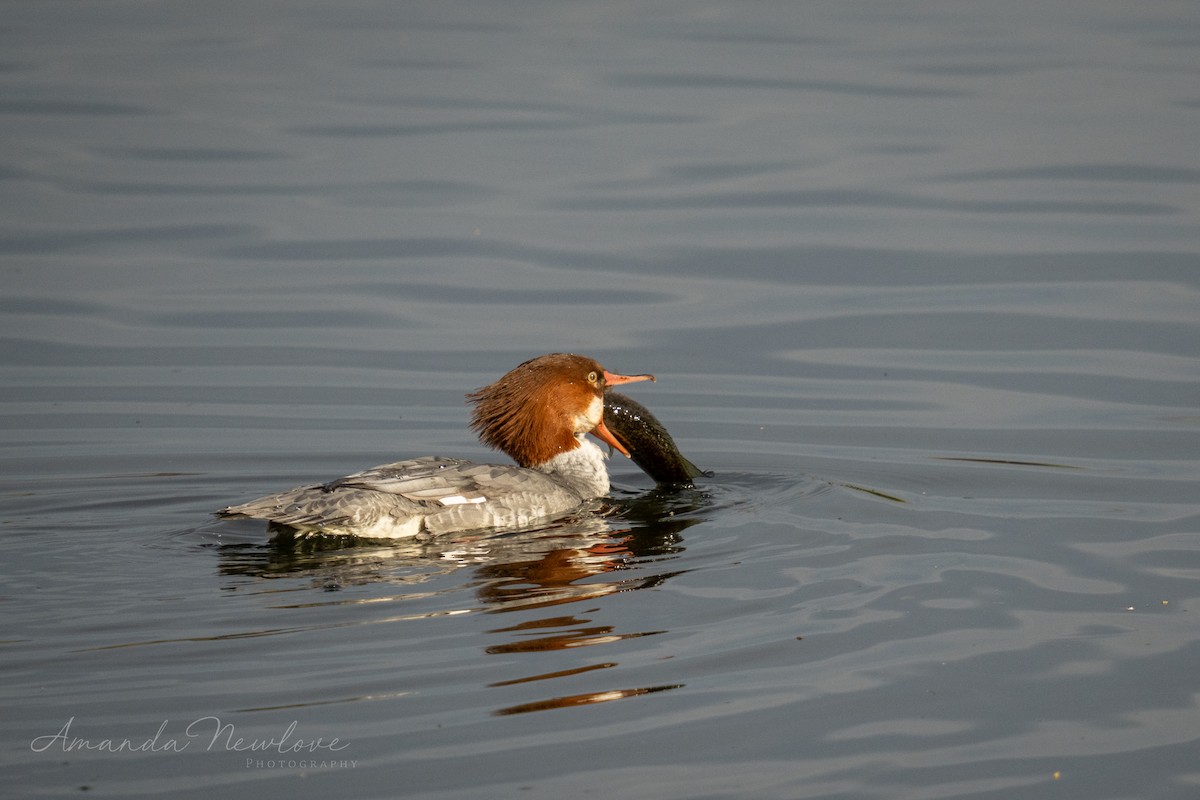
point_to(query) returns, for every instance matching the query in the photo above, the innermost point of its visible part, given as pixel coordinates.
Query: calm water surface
(921, 284)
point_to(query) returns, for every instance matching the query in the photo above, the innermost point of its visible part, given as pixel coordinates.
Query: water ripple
(739, 83)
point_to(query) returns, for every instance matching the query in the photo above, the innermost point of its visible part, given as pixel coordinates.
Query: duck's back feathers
(423, 495)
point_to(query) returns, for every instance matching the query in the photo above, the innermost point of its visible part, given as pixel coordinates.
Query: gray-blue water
(921, 284)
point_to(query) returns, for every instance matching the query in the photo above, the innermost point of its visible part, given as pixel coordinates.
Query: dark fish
(648, 443)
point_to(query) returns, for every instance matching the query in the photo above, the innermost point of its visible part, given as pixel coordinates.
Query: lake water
(921, 285)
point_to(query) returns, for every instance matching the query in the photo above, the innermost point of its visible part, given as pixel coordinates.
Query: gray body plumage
(435, 495)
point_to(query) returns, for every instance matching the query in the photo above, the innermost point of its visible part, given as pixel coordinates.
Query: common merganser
(538, 414)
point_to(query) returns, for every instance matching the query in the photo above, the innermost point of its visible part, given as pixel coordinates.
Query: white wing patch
(458, 500)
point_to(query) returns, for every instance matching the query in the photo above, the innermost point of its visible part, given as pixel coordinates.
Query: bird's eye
(592, 376)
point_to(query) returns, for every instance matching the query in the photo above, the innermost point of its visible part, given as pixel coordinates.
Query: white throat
(581, 469)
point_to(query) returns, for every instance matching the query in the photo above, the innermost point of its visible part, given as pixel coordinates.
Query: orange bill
(605, 435)
(612, 379)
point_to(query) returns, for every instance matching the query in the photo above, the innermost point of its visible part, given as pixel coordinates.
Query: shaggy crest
(535, 411)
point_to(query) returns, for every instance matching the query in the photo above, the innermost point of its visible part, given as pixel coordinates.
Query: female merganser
(539, 414)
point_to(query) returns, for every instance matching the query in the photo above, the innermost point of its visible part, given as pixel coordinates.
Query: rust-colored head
(534, 412)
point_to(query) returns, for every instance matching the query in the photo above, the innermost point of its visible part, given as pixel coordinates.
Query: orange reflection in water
(553, 578)
(587, 699)
(562, 673)
(579, 637)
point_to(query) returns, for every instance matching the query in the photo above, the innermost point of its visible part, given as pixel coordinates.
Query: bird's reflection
(612, 548)
(533, 568)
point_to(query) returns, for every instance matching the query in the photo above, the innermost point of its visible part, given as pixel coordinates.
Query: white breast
(582, 469)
